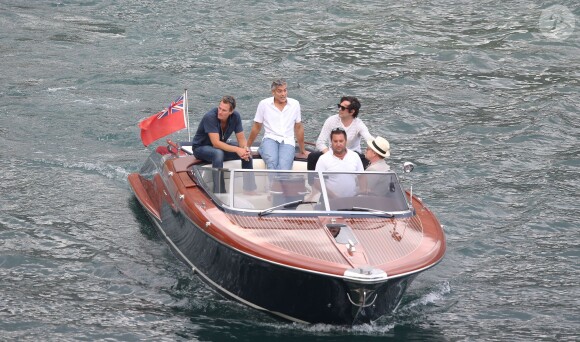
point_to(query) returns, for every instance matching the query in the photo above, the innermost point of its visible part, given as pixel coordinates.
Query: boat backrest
(260, 165)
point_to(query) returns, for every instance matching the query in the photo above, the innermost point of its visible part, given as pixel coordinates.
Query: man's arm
(299, 133)
(323, 136)
(364, 132)
(217, 143)
(256, 128)
(241, 137)
(363, 184)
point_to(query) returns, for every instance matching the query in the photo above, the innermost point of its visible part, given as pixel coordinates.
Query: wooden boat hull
(289, 290)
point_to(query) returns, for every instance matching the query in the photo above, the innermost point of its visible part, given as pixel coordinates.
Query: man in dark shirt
(210, 140)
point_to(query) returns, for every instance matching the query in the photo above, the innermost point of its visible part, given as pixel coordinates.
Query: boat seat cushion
(242, 201)
(184, 163)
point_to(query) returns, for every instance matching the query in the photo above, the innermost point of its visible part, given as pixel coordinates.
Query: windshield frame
(225, 201)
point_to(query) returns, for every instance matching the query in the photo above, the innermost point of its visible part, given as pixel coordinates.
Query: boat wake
(428, 298)
(406, 316)
(113, 172)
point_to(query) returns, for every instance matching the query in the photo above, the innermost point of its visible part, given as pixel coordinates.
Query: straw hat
(381, 146)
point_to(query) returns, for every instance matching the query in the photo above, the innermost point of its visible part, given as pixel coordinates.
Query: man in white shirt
(339, 158)
(355, 128)
(281, 118)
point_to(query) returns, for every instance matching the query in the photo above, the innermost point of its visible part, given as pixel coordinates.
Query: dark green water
(483, 97)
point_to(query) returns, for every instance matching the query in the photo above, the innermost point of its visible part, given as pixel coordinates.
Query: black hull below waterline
(290, 293)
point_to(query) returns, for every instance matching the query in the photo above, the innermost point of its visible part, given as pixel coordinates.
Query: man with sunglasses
(340, 158)
(281, 118)
(210, 142)
(347, 119)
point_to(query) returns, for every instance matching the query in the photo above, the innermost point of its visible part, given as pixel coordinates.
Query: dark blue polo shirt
(211, 124)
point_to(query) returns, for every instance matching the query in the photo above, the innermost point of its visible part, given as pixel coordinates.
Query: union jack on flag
(167, 121)
(175, 107)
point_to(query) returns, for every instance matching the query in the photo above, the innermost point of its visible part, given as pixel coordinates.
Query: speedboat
(311, 247)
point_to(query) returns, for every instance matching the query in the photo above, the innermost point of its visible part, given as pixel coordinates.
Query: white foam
(431, 297)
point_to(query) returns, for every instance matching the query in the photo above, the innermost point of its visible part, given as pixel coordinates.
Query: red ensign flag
(164, 123)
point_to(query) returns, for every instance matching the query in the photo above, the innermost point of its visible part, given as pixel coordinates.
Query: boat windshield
(268, 192)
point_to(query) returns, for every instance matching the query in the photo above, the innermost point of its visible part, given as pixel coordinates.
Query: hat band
(378, 148)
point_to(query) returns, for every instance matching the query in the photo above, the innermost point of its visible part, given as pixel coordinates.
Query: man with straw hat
(377, 150)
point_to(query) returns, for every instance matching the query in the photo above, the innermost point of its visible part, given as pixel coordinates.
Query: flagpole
(187, 116)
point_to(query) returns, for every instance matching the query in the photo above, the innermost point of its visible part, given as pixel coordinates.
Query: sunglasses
(338, 129)
(342, 107)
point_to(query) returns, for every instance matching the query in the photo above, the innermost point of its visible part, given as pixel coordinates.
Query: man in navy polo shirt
(210, 141)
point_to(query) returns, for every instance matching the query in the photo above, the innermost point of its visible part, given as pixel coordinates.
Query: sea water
(482, 97)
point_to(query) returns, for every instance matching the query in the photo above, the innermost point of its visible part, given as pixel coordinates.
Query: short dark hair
(229, 100)
(338, 130)
(354, 104)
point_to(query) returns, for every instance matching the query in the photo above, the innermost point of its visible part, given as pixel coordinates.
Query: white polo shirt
(279, 125)
(342, 185)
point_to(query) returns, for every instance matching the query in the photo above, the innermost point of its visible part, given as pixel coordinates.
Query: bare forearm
(253, 133)
(241, 137)
(300, 137)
